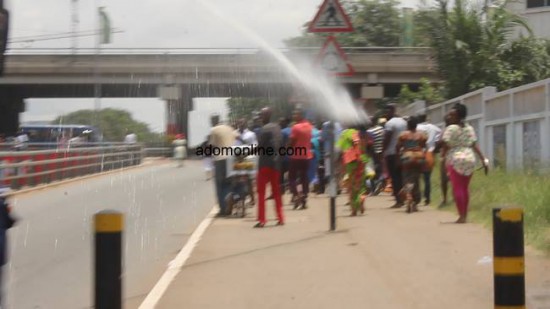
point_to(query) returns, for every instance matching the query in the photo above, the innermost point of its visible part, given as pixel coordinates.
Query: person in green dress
(354, 160)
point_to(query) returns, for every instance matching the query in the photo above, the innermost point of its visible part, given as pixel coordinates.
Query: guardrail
(30, 168)
(159, 152)
(200, 51)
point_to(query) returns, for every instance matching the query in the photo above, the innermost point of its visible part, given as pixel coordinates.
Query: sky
(162, 24)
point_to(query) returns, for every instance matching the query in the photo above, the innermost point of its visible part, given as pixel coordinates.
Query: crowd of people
(388, 151)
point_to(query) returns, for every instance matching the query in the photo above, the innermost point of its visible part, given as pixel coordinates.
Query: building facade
(536, 13)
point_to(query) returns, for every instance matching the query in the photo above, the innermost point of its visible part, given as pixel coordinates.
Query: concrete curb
(67, 181)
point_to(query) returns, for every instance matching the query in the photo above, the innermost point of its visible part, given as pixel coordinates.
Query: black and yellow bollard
(508, 260)
(108, 260)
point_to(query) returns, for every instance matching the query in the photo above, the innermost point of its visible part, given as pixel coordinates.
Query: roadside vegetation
(528, 190)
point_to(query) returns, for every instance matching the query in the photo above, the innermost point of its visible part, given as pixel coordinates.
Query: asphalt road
(51, 249)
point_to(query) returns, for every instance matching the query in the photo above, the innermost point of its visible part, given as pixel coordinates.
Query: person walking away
(246, 137)
(460, 149)
(393, 128)
(354, 160)
(411, 148)
(376, 148)
(444, 179)
(314, 162)
(222, 137)
(434, 134)
(285, 132)
(300, 144)
(269, 167)
(179, 149)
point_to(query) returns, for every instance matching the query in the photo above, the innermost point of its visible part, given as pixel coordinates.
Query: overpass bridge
(191, 73)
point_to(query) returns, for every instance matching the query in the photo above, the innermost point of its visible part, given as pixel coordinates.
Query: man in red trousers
(269, 166)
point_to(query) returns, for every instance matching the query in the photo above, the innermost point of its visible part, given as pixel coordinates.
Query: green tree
(530, 57)
(376, 23)
(427, 92)
(469, 45)
(114, 124)
(245, 107)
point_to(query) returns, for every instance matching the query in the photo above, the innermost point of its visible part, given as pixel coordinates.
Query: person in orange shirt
(300, 154)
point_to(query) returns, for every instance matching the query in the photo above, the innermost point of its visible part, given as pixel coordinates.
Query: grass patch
(523, 189)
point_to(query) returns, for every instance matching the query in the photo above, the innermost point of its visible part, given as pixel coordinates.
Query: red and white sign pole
(331, 17)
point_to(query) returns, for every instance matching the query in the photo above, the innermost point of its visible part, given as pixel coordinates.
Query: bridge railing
(20, 169)
(202, 51)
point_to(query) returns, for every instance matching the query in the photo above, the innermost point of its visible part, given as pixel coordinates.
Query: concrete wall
(513, 126)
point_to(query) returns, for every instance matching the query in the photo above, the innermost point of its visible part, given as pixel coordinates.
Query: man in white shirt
(221, 137)
(245, 136)
(130, 138)
(393, 128)
(434, 135)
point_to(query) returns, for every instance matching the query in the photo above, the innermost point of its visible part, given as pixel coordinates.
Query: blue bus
(56, 134)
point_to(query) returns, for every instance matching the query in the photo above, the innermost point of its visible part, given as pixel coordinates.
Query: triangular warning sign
(331, 18)
(333, 59)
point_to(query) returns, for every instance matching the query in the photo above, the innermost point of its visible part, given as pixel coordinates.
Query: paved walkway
(384, 259)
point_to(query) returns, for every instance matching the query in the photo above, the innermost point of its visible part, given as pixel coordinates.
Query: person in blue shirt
(314, 162)
(285, 131)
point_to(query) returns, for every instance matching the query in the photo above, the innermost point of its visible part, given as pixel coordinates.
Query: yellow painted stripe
(108, 222)
(510, 307)
(510, 214)
(509, 265)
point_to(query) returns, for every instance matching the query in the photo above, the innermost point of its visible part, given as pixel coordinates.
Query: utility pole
(97, 82)
(74, 25)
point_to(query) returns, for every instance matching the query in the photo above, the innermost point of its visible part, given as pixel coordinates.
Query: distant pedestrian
(300, 144)
(269, 166)
(434, 134)
(207, 159)
(460, 149)
(21, 141)
(180, 151)
(130, 138)
(393, 128)
(246, 137)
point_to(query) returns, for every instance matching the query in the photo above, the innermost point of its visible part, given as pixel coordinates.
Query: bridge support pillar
(178, 105)
(10, 107)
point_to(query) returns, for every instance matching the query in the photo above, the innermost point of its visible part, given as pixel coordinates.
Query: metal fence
(30, 168)
(513, 126)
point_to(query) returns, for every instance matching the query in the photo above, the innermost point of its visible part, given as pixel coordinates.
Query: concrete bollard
(508, 259)
(108, 260)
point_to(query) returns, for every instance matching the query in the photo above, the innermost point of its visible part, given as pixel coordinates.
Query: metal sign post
(332, 180)
(331, 17)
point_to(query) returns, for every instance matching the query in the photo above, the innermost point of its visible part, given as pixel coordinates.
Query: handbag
(412, 159)
(430, 161)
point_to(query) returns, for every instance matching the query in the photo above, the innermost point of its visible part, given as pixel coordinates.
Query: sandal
(259, 225)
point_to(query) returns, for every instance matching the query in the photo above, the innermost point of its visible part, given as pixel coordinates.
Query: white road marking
(174, 267)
